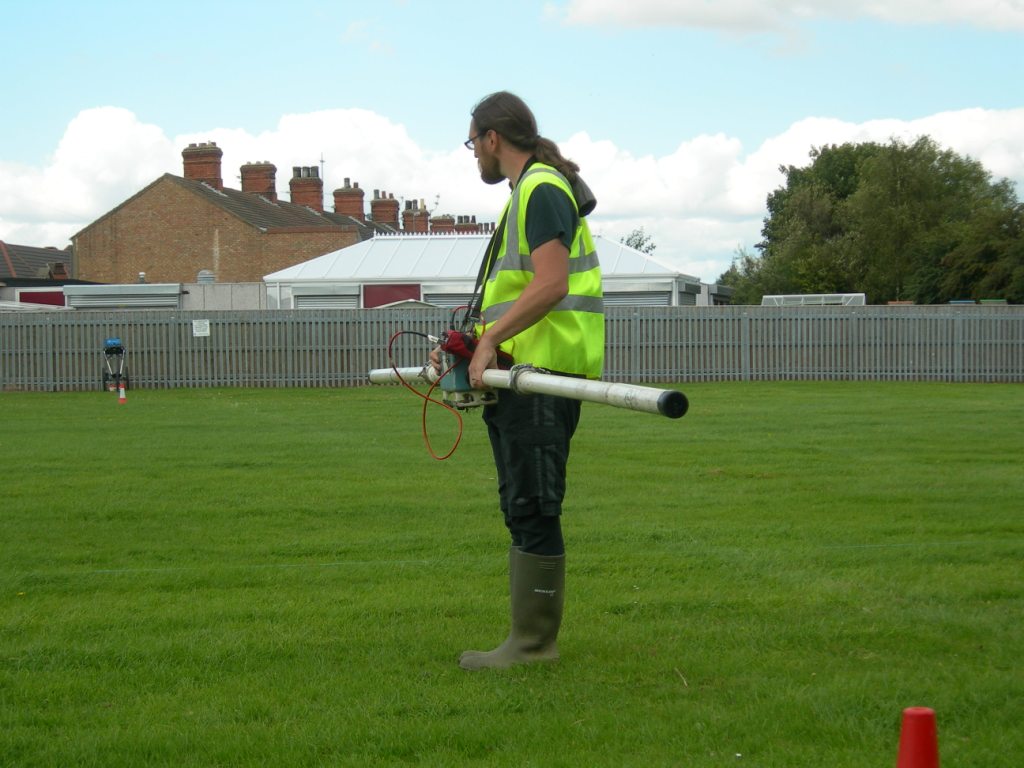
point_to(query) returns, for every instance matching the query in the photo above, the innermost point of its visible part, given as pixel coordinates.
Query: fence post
(49, 356)
(958, 346)
(745, 352)
(634, 353)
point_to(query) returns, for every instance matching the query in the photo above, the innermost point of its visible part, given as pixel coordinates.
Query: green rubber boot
(536, 586)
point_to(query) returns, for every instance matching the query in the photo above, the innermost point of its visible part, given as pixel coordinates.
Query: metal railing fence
(63, 351)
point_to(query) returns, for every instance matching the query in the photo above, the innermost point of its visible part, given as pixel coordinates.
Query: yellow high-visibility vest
(570, 338)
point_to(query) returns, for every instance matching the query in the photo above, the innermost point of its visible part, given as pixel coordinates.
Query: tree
(808, 246)
(745, 277)
(639, 240)
(896, 221)
(987, 260)
(921, 210)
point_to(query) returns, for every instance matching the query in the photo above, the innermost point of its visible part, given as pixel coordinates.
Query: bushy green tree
(896, 221)
(746, 278)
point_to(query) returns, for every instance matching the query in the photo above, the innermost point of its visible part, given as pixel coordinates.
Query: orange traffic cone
(120, 395)
(919, 743)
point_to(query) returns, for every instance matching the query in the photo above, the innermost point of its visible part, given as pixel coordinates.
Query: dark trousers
(530, 437)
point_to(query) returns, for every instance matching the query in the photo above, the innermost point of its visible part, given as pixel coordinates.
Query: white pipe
(667, 402)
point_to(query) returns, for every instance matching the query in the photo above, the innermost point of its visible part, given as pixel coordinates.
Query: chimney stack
(384, 208)
(260, 179)
(407, 215)
(443, 224)
(307, 187)
(202, 163)
(415, 217)
(466, 225)
(348, 201)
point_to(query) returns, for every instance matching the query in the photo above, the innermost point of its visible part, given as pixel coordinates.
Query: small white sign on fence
(200, 327)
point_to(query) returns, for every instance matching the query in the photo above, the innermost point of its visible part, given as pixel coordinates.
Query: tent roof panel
(441, 257)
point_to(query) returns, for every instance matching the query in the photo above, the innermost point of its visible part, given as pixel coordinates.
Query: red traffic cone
(919, 743)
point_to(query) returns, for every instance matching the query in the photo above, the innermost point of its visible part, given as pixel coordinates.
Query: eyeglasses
(468, 143)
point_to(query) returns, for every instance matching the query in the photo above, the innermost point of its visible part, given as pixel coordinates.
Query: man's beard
(490, 172)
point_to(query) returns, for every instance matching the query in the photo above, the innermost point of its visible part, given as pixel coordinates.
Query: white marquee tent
(441, 270)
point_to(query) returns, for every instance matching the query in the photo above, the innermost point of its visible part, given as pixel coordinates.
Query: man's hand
(485, 356)
(435, 360)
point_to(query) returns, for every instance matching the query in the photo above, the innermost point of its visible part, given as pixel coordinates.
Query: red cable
(426, 400)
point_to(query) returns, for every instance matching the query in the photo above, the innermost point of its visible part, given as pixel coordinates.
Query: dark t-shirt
(550, 214)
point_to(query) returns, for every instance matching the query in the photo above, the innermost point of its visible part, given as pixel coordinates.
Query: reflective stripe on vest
(570, 338)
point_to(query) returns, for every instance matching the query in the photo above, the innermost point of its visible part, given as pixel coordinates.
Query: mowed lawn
(286, 578)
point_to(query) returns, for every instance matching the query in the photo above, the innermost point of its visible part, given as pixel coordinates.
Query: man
(541, 303)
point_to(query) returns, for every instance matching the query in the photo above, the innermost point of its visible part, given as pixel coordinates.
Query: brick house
(184, 229)
(26, 263)
(32, 275)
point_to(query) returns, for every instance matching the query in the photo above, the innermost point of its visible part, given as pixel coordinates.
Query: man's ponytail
(547, 152)
(508, 115)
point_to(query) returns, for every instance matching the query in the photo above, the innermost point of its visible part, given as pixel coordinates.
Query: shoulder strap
(472, 315)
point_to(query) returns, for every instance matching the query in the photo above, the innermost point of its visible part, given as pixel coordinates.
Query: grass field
(286, 578)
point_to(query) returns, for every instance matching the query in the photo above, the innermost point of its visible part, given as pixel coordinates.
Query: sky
(679, 112)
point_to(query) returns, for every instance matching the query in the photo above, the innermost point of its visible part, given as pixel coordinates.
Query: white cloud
(992, 14)
(698, 203)
(706, 199)
(769, 15)
(103, 152)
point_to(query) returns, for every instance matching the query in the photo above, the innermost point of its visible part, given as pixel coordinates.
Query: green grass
(284, 577)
